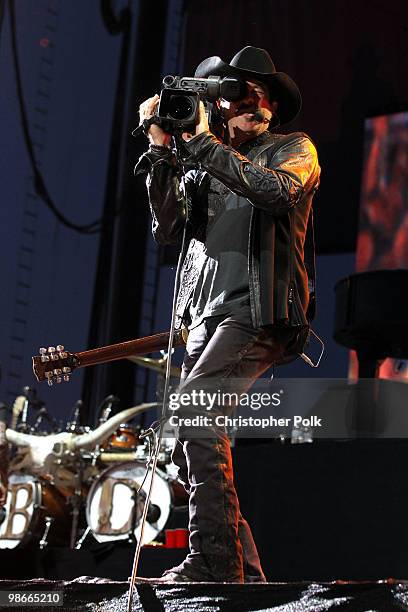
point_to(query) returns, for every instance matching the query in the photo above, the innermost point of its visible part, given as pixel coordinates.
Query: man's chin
(245, 124)
(242, 134)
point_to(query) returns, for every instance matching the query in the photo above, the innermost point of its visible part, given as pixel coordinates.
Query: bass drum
(35, 513)
(115, 505)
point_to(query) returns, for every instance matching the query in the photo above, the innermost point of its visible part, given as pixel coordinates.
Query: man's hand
(156, 135)
(202, 125)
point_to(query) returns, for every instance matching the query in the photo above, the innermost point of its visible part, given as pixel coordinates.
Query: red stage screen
(383, 228)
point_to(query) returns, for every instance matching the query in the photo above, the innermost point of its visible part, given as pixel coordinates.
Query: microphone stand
(44, 414)
(72, 424)
(178, 144)
(106, 408)
(104, 412)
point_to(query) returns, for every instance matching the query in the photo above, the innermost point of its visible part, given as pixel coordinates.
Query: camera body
(178, 109)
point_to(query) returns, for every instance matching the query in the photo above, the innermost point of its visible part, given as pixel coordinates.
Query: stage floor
(102, 595)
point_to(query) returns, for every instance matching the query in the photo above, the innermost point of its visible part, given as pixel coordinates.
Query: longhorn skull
(42, 449)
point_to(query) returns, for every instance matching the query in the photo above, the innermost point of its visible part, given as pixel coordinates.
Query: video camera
(178, 109)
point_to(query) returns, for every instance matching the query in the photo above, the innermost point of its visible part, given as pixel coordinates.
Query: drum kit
(100, 493)
(78, 490)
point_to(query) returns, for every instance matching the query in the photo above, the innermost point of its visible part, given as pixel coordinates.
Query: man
(244, 283)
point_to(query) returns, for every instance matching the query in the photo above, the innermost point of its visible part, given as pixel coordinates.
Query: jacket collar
(260, 140)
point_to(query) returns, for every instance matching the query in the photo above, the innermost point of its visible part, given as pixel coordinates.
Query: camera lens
(180, 107)
(169, 80)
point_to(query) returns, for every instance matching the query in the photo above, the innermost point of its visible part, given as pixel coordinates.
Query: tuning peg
(66, 370)
(48, 376)
(53, 354)
(61, 351)
(43, 353)
(57, 372)
(58, 379)
(66, 377)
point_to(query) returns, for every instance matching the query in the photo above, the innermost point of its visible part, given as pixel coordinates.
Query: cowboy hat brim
(280, 86)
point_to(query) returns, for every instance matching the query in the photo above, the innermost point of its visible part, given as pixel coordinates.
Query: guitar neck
(114, 352)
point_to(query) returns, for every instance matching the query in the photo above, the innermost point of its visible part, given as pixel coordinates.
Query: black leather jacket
(278, 176)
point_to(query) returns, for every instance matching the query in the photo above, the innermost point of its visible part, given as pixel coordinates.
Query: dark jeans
(221, 544)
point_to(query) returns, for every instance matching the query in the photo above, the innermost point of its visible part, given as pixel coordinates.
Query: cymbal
(158, 365)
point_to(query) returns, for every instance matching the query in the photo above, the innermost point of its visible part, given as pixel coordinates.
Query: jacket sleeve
(167, 204)
(275, 188)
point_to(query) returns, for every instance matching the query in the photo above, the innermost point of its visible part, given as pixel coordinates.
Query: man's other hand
(202, 125)
(156, 135)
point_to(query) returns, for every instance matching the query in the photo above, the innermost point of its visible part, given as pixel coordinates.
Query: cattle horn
(93, 438)
(20, 439)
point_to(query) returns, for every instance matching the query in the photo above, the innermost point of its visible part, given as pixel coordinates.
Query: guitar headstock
(54, 364)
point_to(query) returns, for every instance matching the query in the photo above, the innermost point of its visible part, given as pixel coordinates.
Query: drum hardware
(25, 402)
(117, 457)
(82, 539)
(23, 425)
(165, 450)
(44, 414)
(103, 418)
(106, 408)
(72, 424)
(104, 411)
(76, 501)
(48, 522)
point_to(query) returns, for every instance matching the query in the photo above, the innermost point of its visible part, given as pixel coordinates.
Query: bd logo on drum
(34, 512)
(19, 511)
(115, 503)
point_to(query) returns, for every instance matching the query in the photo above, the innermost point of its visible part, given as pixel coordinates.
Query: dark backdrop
(350, 60)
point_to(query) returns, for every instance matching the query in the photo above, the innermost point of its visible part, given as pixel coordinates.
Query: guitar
(55, 364)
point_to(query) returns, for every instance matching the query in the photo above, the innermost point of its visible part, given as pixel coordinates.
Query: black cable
(163, 417)
(39, 183)
(115, 24)
(2, 10)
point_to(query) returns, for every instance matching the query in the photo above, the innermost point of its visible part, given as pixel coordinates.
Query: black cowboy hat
(254, 64)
